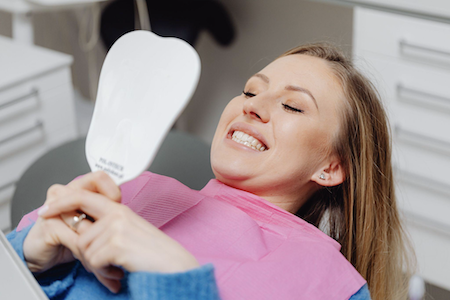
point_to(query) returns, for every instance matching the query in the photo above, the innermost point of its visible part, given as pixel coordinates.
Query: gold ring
(76, 221)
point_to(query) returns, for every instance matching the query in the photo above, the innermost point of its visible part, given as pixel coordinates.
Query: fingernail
(42, 210)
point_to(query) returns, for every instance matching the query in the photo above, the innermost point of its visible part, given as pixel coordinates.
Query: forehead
(299, 68)
(308, 72)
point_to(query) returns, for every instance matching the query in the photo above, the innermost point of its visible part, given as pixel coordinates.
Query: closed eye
(248, 94)
(290, 108)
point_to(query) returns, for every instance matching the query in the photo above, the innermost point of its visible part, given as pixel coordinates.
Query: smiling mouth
(248, 140)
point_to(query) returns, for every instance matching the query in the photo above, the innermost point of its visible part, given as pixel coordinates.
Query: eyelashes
(290, 108)
(248, 94)
(285, 106)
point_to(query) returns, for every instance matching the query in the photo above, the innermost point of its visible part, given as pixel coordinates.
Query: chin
(226, 174)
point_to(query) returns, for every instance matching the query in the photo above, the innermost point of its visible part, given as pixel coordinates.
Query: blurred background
(51, 53)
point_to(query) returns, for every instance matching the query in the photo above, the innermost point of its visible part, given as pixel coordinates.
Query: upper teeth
(247, 140)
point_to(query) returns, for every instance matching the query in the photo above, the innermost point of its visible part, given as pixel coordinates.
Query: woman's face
(274, 139)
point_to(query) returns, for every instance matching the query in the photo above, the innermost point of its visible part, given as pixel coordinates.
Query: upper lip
(250, 130)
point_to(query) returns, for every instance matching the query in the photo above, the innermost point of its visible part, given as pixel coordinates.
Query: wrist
(182, 265)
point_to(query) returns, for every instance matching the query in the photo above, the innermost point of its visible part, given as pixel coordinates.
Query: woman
(308, 136)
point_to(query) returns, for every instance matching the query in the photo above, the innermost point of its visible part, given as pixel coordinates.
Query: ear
(331, 174)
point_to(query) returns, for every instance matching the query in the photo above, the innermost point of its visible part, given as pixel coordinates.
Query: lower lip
(237, 145)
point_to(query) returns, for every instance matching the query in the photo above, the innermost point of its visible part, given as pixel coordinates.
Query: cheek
(230, 112)
(304, 140)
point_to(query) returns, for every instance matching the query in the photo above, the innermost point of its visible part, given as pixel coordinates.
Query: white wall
(265, 29)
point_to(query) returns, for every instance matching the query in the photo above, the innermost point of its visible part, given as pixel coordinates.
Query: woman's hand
(119, 237)
(51, 242)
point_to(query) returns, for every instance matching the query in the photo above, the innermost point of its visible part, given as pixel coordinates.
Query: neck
(292, 201)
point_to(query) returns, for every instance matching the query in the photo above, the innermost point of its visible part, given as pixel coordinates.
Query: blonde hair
(362, 211)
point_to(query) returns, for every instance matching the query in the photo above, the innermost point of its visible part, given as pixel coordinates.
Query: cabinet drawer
(432, 250)
(51, 111)
(421, 160)
(424, 200)
(37, 85)
(439, 8)
(402, 37)
(425, 206)
(417, 97)
(12, 166)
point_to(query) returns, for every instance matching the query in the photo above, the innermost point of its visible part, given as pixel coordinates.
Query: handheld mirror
(145, 83)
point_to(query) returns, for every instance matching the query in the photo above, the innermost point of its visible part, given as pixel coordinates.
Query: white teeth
(247, 140)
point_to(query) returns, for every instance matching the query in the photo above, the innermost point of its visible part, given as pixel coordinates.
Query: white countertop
(26, 61)
(430, 8)
(26, 6)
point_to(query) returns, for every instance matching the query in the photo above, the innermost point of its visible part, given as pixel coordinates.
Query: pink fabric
(259, 250)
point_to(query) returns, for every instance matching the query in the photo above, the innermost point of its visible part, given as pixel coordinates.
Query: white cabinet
(409, 60)
(36, 111)
(434, 8)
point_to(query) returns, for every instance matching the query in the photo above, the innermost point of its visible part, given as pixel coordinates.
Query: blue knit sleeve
(197, 284)
(362, 294)
(55, 281)
(16, 240)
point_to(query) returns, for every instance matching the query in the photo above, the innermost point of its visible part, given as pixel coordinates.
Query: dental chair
(181, 156)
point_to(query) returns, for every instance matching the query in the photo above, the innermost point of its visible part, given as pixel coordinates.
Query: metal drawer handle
(427, 98)
(34, 92)
(427, 184)
(39, 124)
(421, 140)
(433, 53)
(436, 226)
(423, 182)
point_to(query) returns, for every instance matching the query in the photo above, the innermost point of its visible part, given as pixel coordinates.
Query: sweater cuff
(197, 284)
(16, 240)
(54, 281)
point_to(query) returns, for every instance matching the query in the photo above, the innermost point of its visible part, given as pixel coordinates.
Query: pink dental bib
(259, 251)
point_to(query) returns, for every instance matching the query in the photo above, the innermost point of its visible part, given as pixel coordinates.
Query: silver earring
(322, 176)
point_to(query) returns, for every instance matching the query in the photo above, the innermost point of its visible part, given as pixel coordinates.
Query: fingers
(111, 272)
(98, 182)
(107, 274)
(49, 242)
(93, 204)
(69, 219)
(66, 237)
(113, 285)
(94, 237)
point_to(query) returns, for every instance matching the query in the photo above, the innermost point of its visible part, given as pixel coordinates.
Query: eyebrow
(289, 87)
(303, 90)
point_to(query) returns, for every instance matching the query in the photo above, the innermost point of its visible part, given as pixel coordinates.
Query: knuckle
(80, 194)
(117, 195)
(100, 176)
(54, 190)
(94, 261)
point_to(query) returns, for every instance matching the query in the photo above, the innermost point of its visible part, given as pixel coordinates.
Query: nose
(256, 108)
